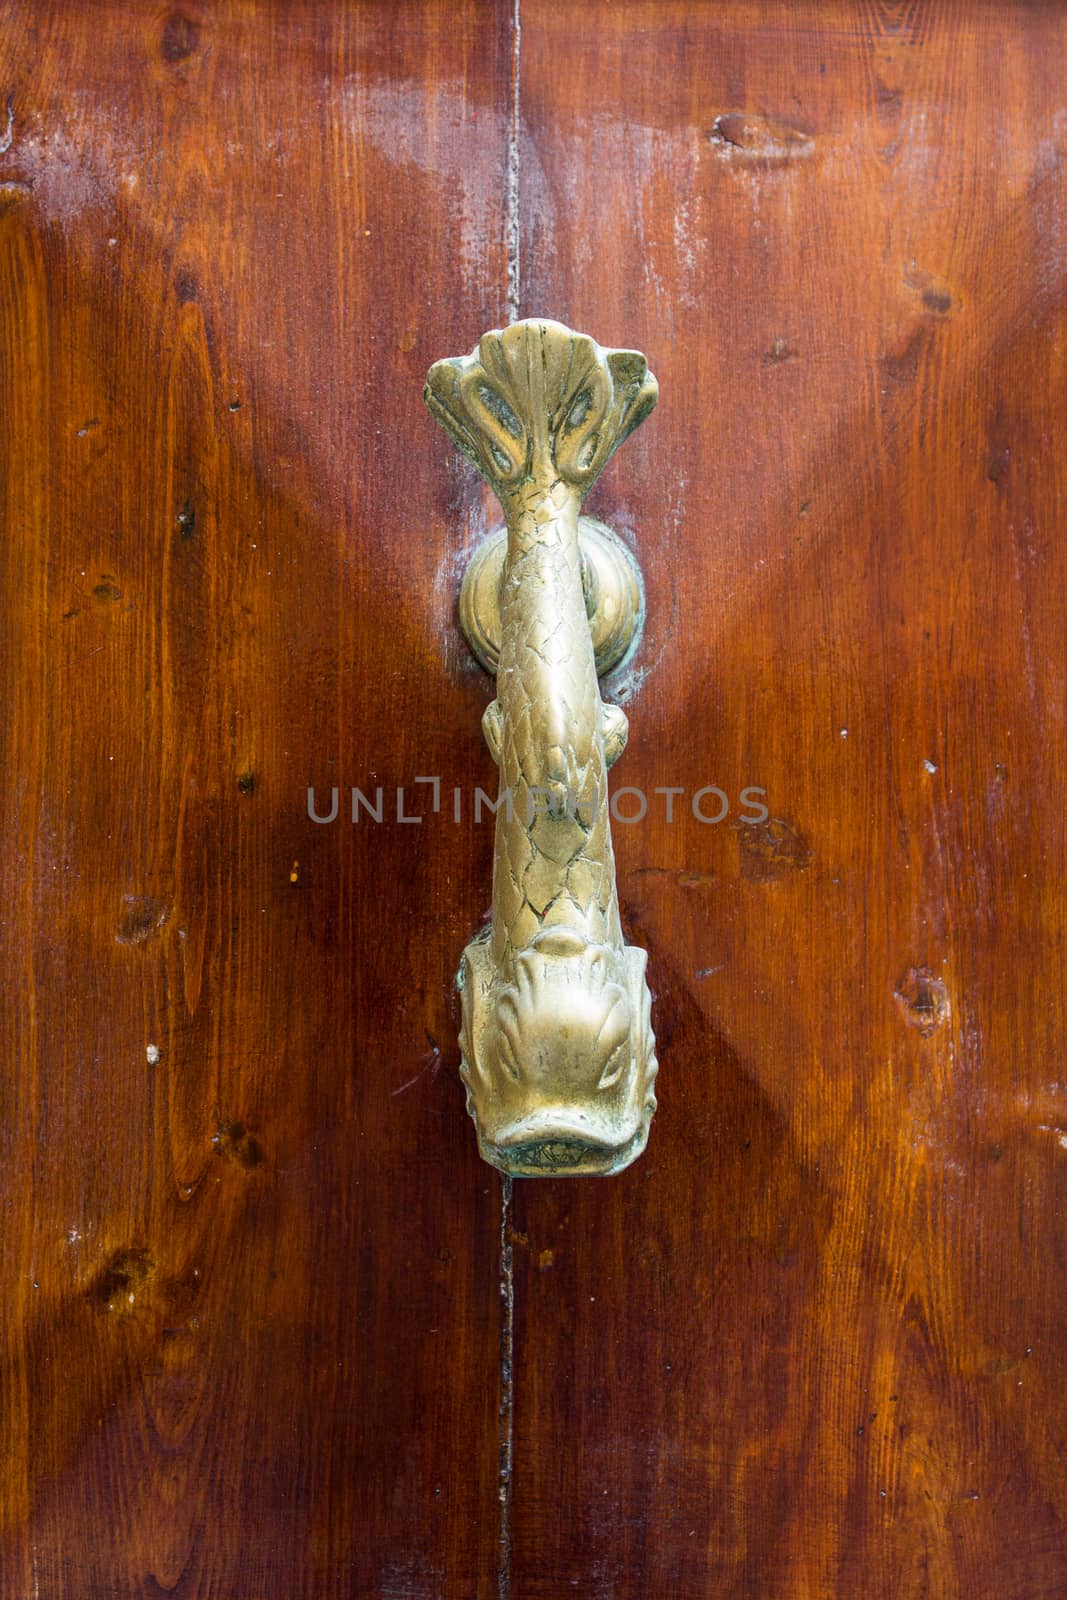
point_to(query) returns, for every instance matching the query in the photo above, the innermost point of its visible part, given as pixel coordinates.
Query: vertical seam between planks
(513, 237)
(507, 1346)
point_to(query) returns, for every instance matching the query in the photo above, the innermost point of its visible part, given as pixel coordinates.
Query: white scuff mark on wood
(417, 135)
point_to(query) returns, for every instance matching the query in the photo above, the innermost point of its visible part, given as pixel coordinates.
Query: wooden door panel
(808, 1345)
(250, 1253)
(270, 1330)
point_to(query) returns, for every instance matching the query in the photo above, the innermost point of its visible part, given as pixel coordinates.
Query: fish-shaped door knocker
(559, 1057)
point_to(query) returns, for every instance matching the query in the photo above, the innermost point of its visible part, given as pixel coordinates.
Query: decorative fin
(493, 728)
(615, 727)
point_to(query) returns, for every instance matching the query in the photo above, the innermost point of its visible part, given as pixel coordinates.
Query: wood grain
(811, 1345)
(251, 1320)
(254, 1343)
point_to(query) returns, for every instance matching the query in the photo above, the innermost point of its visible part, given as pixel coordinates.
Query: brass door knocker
(559, 1057)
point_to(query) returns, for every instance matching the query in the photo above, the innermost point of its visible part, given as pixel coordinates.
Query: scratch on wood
(429, 1062)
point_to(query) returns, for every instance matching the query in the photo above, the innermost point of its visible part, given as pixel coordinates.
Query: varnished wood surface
(809, 1347)
(251, 1324)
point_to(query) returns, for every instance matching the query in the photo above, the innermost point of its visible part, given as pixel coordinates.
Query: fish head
(558, 1055)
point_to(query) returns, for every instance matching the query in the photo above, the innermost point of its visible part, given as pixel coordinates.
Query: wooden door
(271, 1328)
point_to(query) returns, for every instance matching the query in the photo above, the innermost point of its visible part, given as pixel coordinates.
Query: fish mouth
(547, 1099)
(561, 1142)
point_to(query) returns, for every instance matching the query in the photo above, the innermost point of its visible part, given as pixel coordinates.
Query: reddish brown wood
(251, 1320)
(810, 1345)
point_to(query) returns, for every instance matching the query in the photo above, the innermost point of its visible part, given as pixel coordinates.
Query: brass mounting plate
(611, 581)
